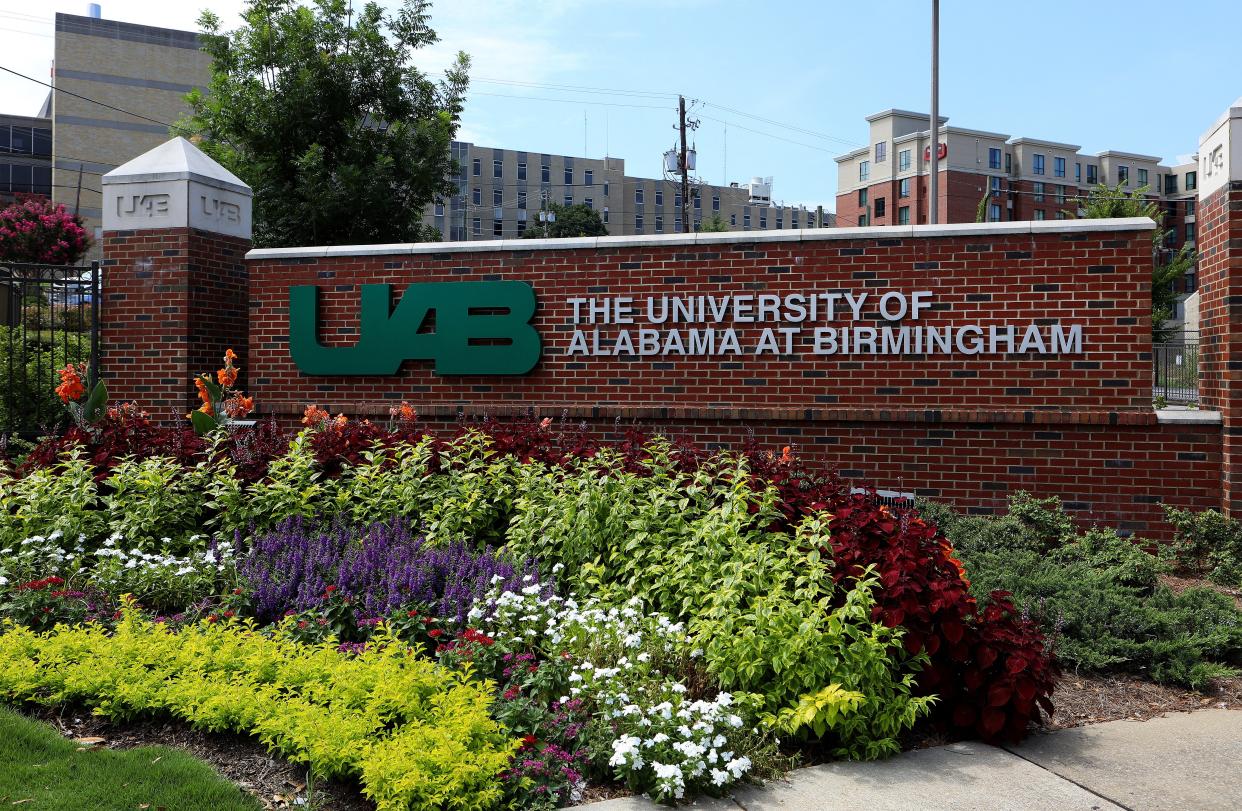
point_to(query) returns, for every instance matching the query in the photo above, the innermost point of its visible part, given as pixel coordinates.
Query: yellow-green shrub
(418, 736)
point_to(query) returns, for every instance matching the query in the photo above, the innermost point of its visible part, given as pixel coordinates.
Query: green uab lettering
(465, 341)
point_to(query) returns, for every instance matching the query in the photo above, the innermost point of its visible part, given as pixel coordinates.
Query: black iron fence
(49, 316)
(1175, 372)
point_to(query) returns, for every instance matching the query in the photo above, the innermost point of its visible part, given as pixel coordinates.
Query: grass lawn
(40, 769)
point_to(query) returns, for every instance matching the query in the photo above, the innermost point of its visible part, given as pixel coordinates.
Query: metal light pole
(934, 185)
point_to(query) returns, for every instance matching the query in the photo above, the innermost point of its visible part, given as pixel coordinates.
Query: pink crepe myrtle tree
(39, 231)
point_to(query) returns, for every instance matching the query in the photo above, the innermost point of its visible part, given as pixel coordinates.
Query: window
(521, 227)
(1037, 164)
(903, 160)
(677, 201)
(763, 219)
(780, 222)
(994, 158)
(498, 228)
(522, 200)
(793, 219)
(862, 197)
(638, 223)
(497, 197)
(698, 201)
(1039, 213)
(568, 200)
(605, 188)
(476, 167)
(903, 187)
(994, 213)
(1192, 181)
(864, 170)
(476, 225)
(746, 218)
(1142, 177)
(498, 168)
(1058, 167)
(1190, 208)
(1061, 215)
(659, 224)
(1170, 183)
(1077, 172)
(42, 144)
(439, 209)
(522, 171)
(545, 173)
(41, 182)
(1123, 175)
(569, 175)
(1009, 163)
(994, 184)
(903, 215)
(881, 152)
(588, 177)
(1037, 192)
(1093, 174)
(863, 220)
(638, 196)
(879, 207)
(733, 219)
(589, 203)
(476, 196)
(659, 197)
(605, 214)
(21, 178)
(1190, 232)
(715, 202)
(1060, 190)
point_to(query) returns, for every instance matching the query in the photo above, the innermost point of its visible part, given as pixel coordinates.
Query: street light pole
(934, 185)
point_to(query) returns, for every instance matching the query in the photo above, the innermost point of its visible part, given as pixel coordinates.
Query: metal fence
(1175, 372)
(49, 316)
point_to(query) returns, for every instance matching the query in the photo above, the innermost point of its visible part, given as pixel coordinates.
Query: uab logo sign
(467, 328)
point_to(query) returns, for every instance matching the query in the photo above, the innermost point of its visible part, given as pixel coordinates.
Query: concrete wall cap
(722, 238)
(176, 159)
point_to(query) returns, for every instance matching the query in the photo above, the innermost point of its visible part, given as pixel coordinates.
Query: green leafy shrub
(418, 736)
(154, 503)
(28, 377)
(61, 499)
(1208, 543)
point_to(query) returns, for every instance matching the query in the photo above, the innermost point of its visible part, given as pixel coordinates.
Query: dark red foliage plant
(124, 430)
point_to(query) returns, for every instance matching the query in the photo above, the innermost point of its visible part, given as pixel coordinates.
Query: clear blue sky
(1142, 77)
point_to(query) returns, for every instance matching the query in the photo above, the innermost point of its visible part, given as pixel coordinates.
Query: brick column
(175, 285)
(1219, 234)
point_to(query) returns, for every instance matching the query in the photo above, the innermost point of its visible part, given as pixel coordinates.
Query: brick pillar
(175, 285)
(1219, 235)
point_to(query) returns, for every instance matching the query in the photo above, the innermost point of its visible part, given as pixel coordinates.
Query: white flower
(739, 766)
(719, 778)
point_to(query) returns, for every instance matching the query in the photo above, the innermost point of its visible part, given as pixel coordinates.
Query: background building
(141, 69)
(501, 191)
(25, 157)
(1013, 179)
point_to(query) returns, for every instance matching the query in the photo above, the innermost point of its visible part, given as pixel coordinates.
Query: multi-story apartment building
(501, 191)
(25, 157)
(999, 176)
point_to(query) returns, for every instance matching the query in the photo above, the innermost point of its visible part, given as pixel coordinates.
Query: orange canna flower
(238, 407)
(226, 377)
(403, 413)
(545, 423)
(70, 387)
(314, 416)
(229, 356)
(786, 455)
(340, 422)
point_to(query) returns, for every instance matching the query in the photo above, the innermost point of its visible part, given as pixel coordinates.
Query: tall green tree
(1116, 201)
(320, 109)
(714, 224)
(571, 221)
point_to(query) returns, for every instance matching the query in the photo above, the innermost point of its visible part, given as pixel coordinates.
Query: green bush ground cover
(1098, 594)
(46, 772)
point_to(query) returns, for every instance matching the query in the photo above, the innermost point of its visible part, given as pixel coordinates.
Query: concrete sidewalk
(1177, 762)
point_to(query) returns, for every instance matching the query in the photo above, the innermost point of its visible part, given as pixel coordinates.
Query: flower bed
(640, 612)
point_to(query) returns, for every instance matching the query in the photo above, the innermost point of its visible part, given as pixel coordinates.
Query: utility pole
(684, 165)
(934, 185)
(77, 202)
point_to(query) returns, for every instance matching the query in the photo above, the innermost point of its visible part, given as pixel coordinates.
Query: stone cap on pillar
(176, 185)
(1220, 152)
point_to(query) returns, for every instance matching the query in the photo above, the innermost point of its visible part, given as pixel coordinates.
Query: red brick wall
(1096, 279)
(1219, 226)
(173, 300)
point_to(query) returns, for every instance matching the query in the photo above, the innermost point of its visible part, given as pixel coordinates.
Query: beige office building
(500, 193)
(138, 68)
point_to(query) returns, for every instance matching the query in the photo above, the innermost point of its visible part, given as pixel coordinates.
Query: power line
(86, 98)
(769, 135)
(572, 101)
